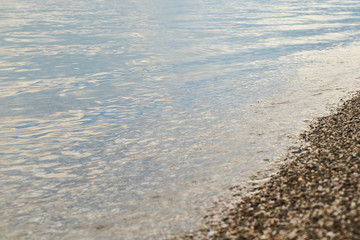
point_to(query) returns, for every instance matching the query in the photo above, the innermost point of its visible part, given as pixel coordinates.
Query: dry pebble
(316, 195)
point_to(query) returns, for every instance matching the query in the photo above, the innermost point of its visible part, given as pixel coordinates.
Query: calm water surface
(126, 119)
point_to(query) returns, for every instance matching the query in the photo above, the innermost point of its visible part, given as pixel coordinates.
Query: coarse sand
(316, 195)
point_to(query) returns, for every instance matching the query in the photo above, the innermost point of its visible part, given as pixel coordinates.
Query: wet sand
(314, 195)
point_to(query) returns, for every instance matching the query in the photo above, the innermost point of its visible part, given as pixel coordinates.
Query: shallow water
(126, 119)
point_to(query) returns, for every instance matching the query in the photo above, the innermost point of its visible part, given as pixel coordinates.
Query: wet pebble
(314, 196)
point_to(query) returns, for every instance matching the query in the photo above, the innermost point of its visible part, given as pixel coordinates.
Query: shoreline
(313, 195)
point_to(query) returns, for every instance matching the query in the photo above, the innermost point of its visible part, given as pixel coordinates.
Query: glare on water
(128, 118)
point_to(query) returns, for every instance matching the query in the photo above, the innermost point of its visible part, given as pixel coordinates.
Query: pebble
(315, 195)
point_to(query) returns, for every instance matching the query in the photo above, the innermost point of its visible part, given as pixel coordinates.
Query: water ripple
(131, 116)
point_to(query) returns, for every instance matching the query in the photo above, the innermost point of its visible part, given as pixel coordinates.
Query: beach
(136, 119)
(314, 195)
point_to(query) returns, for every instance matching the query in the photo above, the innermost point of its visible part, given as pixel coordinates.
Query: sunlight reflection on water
(134, 115)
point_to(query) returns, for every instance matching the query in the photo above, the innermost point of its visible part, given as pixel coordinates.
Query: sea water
(125, 119)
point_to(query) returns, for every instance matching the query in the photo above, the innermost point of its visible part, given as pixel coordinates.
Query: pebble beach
(178, 119)
(314, 195)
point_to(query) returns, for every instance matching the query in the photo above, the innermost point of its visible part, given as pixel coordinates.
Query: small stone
(212, 233)
(330, 234)
(313, 192)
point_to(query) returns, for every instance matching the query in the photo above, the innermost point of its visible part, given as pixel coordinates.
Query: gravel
(315, 195)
